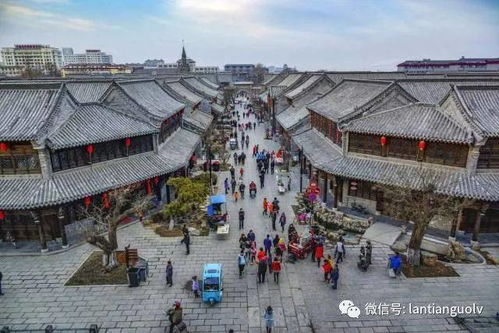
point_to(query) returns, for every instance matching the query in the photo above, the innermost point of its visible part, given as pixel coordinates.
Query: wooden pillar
(41, 234)
(62, 229)
(168, 196)
(456, 222)
(336, 192)
(324, 195)
(479, 217)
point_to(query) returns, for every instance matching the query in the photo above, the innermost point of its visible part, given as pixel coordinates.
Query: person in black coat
(187, 241)
(1, 275)
(262, 270)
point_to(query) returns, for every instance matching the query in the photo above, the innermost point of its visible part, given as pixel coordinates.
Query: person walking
(169, 273)
(242, 187)
(326, 268)
(276, 269)
(396, 264)
(282, 221)
(319, 253)
(174, 315)
(274, 219)
(339, 252)
(335, 275)
(272, 166)
(254, 150)
(241, 173)
(254, 126)
(270, 209)
(187, 242)
(195, 286)
(236, 196)
(233, 185)
(262, 179)
(241, 262)
(275, 241)
(267, 243)
(236, 158)
(262, 269)
(232, 170)
(268, 316)
(241, 218)
(226, 185)
(265, 206)
(253, 252)
(1, 276)
(251, 236)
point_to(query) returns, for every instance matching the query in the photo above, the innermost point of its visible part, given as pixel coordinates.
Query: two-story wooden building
(64, 145)
(366, 133)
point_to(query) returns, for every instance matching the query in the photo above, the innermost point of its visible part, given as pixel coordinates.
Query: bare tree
(260, 73)
(117, 205)
(420, 206)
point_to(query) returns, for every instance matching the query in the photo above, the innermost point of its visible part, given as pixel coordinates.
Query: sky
(307, 34)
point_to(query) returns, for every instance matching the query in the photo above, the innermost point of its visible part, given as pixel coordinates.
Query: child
(265, 206)
(195, 286)
(253, 251)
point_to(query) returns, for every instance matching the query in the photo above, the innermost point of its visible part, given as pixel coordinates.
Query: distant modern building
(152, 63)
(89, 57)
(94, 69)
(11, 70)
(36, 56)
(274, 69)
(206, 69)
(240, 68)
(462, 64)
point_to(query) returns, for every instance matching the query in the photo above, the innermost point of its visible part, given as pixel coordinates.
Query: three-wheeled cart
(211, 286)
(217, 211)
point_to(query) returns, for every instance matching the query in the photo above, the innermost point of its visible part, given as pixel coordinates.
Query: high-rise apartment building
(32, 55)
(89, 57)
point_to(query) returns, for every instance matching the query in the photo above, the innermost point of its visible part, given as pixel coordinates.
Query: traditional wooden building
(64, 145)
(361, 138)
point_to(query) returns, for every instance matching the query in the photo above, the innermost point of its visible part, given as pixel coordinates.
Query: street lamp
(209, 166)
(300, 150)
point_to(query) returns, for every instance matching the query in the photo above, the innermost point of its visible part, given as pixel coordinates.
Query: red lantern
(4, 147)
(128, 142)
(422, 145)
(2, 215)
(156, 180)
(90, 149)
(87, 201)
(148, 186)
(383, 140)
(105, 200)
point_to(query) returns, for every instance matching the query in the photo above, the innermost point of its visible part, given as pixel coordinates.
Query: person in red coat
(276, 269)
(327, 268)
(319, 253)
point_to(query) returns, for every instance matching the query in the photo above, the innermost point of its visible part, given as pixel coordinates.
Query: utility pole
(209, 165)
(301, 168)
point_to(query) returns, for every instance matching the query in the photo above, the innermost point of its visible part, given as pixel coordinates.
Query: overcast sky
(308, 34)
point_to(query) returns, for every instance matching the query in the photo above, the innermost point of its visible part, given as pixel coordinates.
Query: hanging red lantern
(87, 201)
(383, 140)
(156, 180)
(422, 145)
(2, 215)
(4, 147)
(128, 142)
(148, 186)
(90, 149)
(105, 200)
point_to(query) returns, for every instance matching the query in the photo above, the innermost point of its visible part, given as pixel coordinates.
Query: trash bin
(143, 269)
(216, 166)
(142, 274)
(133, 277)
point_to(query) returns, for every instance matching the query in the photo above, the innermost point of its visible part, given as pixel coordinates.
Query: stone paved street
(35, 294)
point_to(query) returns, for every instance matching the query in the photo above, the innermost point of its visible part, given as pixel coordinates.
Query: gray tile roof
(93, 123)
(304, 86)
(197, 86)
(178, 148)
(276, 91)
(25, 109)
(152, 98)
(200, 119)
(325, 156)
(67, 186)
(88, 91)
(290, 80)
(481, 105)
(292, 116)
(179, 88)
(414, 121)
(337, 77)
(217, 108)
(74, 184)
(269, 78)
(209, 83)
(433, 91)
(346, 96)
